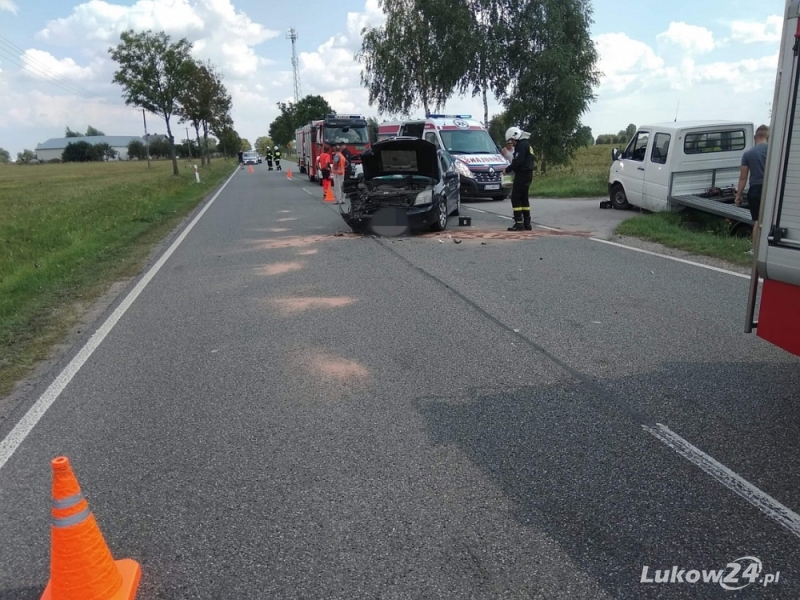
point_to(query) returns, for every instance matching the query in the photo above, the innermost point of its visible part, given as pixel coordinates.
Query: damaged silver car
(406, 184)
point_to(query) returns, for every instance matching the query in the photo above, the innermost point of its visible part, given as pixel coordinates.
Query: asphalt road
(286, 413)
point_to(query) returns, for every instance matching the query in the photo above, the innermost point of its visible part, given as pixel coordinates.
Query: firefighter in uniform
(277, 155)
(522, 166)
(269, 158)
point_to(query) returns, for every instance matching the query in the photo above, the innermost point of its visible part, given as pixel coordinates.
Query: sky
(697, 59)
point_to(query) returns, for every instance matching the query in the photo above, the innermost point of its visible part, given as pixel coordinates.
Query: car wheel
(618, 198)
(441, 216)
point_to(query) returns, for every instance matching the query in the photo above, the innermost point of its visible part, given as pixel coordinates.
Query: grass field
(586, 176)
(68, 231)
(691, 231)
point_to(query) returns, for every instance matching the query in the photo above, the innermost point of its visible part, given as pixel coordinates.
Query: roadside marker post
(196, 174)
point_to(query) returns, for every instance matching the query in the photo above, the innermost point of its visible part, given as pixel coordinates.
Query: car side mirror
(451, 175)
(615, 154)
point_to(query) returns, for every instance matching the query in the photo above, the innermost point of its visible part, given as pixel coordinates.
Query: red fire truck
(777, 252)
(352, 129)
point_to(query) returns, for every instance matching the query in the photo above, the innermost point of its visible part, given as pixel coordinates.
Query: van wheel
(618, 198)
(742, 230)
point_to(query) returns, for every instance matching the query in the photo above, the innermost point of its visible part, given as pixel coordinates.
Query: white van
(677, 159)
(475, 155)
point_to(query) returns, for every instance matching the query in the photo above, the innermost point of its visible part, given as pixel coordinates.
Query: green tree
(244, 145)
(160, 148)
(630, 131)
(71, 134)
(92, 132)
(550, 72)
(137, 149)
(153, 73)
(263, 143)
(5, 156)
(584, 136)
(204, 102)
(77, 152)
(26, 156)
(293, 116)
(478, 45)
(229, 142)
(409, 61)
(498, 125)
(282, 128)
(310, 108)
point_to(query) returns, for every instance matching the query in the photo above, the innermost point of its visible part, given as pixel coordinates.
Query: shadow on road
(613, 497)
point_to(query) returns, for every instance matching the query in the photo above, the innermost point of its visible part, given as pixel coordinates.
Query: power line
(38, 69)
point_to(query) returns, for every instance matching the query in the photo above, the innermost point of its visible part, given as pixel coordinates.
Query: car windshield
(355, 136)
(468, 141)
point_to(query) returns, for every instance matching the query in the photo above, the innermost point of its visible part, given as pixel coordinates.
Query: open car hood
(401, 156)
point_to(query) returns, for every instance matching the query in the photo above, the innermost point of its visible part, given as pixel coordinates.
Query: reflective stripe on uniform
(68, 502)
(71, 520)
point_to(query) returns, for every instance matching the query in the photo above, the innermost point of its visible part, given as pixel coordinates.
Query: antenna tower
(292, 35)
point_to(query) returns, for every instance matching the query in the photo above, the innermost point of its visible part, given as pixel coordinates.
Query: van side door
(633, 165)
(657, 174)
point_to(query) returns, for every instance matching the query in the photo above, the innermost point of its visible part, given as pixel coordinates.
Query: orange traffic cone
(288, 174)
(251, 169)
(81, 565)
(329, 194)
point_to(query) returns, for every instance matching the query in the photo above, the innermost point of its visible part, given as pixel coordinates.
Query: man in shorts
(753, 162)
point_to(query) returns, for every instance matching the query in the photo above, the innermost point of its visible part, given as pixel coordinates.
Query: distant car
(259, 158)
(250, 158)
(408, 179)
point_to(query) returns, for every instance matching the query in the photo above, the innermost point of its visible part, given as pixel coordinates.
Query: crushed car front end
(401, 182)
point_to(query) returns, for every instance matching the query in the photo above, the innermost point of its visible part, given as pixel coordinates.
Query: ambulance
(476, 157)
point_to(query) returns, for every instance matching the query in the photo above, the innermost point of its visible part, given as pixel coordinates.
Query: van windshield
(468, 141)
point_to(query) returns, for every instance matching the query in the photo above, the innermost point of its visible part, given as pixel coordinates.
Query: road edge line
(761, 500)
(25, 425)
(675, 258)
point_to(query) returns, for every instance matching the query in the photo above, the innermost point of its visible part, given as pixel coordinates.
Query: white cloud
(624, 61)
(9, 6)
(333, 69)
(217, 30)
(38, 63)
(688, 37)
(751, 32)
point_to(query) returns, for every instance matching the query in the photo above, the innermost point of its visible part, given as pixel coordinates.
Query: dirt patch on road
(290, 306)
(300, 241)
(496, 234)
(280, 268)
(330, 366)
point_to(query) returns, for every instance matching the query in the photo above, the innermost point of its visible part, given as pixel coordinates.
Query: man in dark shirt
(753, 163)
(522, 167)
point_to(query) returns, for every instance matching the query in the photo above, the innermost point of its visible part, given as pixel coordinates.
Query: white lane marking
(307, 191)
(761, 500)
(488, 212)
(676, 259)
(29, 420)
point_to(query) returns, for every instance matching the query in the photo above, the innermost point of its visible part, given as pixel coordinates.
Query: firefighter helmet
(515, 133)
